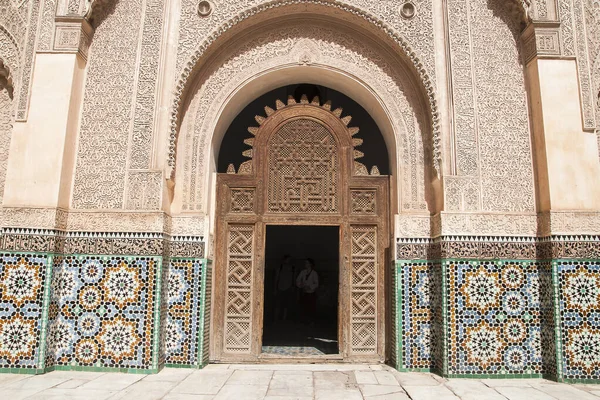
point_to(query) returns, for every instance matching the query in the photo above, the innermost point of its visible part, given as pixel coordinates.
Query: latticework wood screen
(303, 168)
(238, 300)
(363, 316)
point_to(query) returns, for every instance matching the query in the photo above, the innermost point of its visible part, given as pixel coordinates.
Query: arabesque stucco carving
(313, 46)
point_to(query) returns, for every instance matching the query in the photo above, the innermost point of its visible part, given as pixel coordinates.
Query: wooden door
(302, 170)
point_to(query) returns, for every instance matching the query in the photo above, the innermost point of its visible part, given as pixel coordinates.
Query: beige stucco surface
(572, 154)
(37, 150)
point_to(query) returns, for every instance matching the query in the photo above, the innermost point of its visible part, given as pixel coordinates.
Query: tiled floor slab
(564, 392)
(430, 393)
(385, 378)
(204, 382)
(282, 382)
(170, 375)
(145, 390)
(393, 396)
(38, 382)
(509, 382)
(115, 382)
(60, 394)
(469, 389)
(298, 384)
(238, 392)
(416, 379)
(250, 378)
(524, 393)
(332, 380)
(71, 384)
(379, 390)
(183, 396)
(366, 377)
(338, 394)
(17, 394)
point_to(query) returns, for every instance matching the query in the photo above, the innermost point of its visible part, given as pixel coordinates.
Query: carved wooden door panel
(367, 240)
(302, 170)
(238, 253)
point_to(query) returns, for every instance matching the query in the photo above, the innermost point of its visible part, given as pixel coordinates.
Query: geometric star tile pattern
(103, 312)
(579, 307)
(416, 312)
(22, 309)
(494, 317)
(182, 336)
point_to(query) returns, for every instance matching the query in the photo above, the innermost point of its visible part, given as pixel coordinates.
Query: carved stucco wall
(418, 31)
(118, 122)
(53, 8)
(491, 131)
(6, 125)
(9, 63)
(20, 20)
(577, 16)
(324, 46)
(592, 24)
(361, 18)
(493, 153)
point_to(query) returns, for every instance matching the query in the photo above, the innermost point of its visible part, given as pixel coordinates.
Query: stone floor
(282, 382)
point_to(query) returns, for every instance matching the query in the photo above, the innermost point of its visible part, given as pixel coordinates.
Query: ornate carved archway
(303, 170)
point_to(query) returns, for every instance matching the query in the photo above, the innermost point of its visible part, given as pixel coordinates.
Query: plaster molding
(555, 223)
(72, 35)
(488, 224)
(196, 59)
(413, 226)
(296, 48)
(115, 221)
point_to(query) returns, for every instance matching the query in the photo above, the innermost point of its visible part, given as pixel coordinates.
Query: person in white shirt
(308, 282)
(284, 287)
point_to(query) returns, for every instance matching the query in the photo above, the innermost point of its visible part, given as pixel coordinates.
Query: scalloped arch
(186, 73)
(10, 37)
(9, 66)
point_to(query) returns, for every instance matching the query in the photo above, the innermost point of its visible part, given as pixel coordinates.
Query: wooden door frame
(255, 213)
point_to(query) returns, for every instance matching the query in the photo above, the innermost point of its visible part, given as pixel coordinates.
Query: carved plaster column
(43, 149)
(567, 168)
(565, 153)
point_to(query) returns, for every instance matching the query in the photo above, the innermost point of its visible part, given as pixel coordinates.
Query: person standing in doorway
(308, 282)
(284, 287)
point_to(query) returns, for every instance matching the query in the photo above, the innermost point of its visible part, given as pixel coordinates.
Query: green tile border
(137, 371)
(183, 366)
(590, 381)
(157, 312)
(399, 321)
(21, 371)
(45, 310)
(445, 328)
(496, 376)
(206, 269)
(556, 315)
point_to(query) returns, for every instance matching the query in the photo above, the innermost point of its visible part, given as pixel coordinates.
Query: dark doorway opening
(297, 323)
(375, 151)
